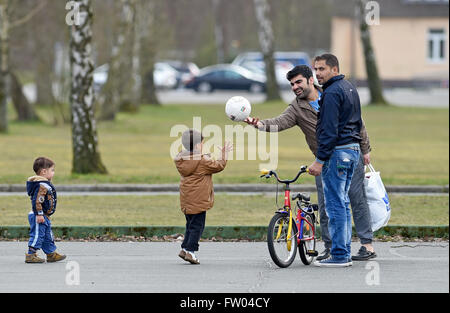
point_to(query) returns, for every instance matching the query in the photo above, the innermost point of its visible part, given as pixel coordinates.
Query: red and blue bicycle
(291, 229)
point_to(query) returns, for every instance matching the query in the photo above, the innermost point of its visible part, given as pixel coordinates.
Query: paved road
(226, 268)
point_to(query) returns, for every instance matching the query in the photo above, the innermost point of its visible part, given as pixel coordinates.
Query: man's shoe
(364, 255)
(33, 258)
(332, 262)
(190, 257)
(55, 257)
(324, 255)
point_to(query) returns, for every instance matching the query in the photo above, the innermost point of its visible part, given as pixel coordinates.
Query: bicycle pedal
(312, 252)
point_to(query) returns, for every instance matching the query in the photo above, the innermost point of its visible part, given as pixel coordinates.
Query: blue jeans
(337, 175)
(358, 203)
(41, 235)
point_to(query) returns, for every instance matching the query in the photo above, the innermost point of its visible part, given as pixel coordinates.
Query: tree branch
(29, 16)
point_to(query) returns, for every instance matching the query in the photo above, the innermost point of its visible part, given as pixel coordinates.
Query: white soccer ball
(238, 108)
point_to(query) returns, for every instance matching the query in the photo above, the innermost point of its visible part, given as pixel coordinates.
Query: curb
(217, 188)
(257, 233)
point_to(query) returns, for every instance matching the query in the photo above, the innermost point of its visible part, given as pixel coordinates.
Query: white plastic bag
(377, 199)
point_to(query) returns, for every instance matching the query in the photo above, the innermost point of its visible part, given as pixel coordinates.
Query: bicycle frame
(280, 235)
(300, 219)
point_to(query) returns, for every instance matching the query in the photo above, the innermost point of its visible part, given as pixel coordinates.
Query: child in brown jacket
(196, 188)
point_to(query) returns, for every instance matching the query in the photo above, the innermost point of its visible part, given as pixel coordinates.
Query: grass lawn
(228, 210)
(410, 146)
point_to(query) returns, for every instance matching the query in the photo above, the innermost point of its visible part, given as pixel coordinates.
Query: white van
(284, 62)
(294, 57)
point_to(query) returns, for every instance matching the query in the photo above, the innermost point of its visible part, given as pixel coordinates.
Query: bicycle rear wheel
(282, 250)
(307, 245)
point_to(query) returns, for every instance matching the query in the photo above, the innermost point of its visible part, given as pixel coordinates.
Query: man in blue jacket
(338, 138)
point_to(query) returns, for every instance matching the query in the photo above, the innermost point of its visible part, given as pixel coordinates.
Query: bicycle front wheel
(282, 244)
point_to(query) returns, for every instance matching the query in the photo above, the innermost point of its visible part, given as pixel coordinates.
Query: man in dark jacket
(303, 112)
(338, 136)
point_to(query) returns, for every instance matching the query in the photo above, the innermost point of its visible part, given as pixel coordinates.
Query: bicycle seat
(301, 196)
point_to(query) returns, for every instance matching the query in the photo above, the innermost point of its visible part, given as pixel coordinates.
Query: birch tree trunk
(86, 158)
(266, 41)
(373, 79)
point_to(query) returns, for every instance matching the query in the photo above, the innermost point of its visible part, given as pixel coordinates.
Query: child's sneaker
(182, 254)
(55, 257)
(33, 258)
(190, 257)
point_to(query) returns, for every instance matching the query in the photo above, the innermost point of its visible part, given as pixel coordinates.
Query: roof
(396, 8)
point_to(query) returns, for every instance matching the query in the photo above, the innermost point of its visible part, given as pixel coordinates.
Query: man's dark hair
(330, 60)
(42, 163)
(303, 70)
(190, 138)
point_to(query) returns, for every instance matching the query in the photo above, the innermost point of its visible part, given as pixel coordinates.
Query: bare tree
(112, 91)
(266, 40)
(146, 24)
(25, 110)
(86, 158)
(373, 79)
(218, 32)
(128, 73)
(43, 33)
(6, 25)
(4, 51)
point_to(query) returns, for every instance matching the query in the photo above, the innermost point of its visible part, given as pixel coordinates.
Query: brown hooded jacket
(196, 186)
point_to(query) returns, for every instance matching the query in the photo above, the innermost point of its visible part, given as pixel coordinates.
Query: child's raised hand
(227, 147)
(40, 219)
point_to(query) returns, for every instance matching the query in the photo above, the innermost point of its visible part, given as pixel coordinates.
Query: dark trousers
(195, 224)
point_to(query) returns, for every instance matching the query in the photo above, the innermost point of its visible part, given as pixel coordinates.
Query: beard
(305, 93)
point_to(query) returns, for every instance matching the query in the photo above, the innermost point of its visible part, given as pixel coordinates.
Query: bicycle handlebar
(268, 174)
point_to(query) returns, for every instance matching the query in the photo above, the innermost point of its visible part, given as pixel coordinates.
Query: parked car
(227, 77)
(100, 77)
(281, 70)
(186, 71)
(294, 57)
(164, 76)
